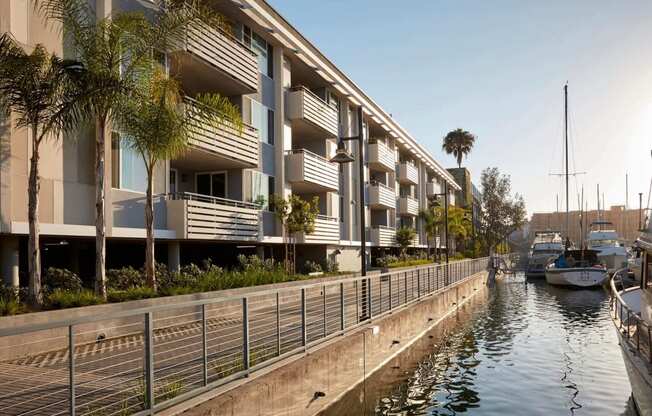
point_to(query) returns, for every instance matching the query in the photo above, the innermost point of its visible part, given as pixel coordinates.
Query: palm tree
(158, 128)
(115, 53)
(458, 143)
(432, 219)
(37, 88)
(404, 239)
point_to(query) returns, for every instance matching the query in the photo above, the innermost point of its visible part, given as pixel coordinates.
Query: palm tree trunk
(149, 225)
(100, 226)
(33, 250)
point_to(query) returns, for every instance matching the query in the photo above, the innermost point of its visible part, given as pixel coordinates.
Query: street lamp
(343, 156)
(445, 195)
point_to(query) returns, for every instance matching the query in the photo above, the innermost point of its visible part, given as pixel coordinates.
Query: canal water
(520, 348)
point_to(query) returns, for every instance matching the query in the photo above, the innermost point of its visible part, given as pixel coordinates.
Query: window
(262, 118)
(127, 167)
(211, 183)
(174, 184)
(264, 53)
(259, 188)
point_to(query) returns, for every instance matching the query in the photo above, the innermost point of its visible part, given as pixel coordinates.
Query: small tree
(38, 89)
(459, 224)
(405, 238)
(432, 219)
(297, 216)
(458, 143)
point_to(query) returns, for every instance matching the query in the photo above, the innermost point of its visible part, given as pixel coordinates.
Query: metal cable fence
(135, 362)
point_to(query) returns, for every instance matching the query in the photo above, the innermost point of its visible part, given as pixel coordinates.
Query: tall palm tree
(158, 127)
(458, 143)
(115, 52)
(37, 88)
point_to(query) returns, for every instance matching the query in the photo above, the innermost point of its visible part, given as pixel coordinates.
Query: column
(9, 259)
(174, 256)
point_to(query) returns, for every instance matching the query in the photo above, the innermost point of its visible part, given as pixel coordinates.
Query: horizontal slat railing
(382, 235)
(307, 105)
(153, 357)
(309, 167)
(381, 195)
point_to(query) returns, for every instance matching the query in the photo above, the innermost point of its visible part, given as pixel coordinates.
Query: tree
(405, 238)
(37, 88)
(158, 127)
(501, 213)
(459, 224)
(114, 52)
(458, 143)
(297, 216)
(433, 218)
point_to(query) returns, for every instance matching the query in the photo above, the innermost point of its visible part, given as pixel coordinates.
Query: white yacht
(577, 268)
(610, 252)
(546, 247)
(632, 315)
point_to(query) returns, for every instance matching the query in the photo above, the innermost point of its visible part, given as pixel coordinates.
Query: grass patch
(62, 299)
(408, 263)
(133, 293)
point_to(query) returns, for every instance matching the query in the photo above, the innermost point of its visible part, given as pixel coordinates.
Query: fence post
(304, 335)
(204, 343)
(342, 323)
(323, 289)
(405, 279)
(278, 323)
(419, 283)
(369, 295)
(71, 368)
(245, 333)
(357, 303)
(390, 292)
(149, 360)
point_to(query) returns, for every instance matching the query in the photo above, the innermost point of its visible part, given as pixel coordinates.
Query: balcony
(408, 206)
(382, 236)
(381, 157)
(381, 196)
(220, 145)
(433, 189)
(312, 117)
(327, 231)
(309, 172)
(202, 217)
(408, 174)
(210, 59)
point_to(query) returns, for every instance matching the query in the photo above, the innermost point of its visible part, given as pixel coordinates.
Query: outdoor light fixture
(341, 154)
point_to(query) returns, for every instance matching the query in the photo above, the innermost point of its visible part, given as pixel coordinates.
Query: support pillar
(9, 260)
(174, 256)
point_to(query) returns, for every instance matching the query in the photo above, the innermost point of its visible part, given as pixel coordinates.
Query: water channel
(521, 348)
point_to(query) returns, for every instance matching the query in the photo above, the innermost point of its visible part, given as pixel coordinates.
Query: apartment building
(213, 201)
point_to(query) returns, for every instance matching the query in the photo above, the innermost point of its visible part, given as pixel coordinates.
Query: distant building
(625, 222)
(468, 196)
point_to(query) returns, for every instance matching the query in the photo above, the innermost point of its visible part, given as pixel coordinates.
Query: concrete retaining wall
(333, 368)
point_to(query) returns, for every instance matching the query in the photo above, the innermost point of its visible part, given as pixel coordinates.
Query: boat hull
(576, 276)
(613, 261)
(638, 372)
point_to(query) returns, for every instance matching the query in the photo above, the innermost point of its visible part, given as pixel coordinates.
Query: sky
(497, 68)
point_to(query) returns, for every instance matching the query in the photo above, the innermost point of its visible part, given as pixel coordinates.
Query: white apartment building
(295, 104)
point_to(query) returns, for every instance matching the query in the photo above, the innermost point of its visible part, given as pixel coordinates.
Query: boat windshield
(603, 243)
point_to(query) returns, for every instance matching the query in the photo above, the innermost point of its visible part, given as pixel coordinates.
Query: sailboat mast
(566, 152)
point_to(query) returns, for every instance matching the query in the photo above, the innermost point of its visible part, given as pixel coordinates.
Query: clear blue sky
(497, 69)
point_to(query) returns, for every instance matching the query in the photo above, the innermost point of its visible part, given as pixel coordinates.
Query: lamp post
(342, 156)
(445, 195)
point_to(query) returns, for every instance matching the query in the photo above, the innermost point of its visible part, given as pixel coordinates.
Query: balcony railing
(306, 106)
(327, 230)
(408, 173)
(224, 52)
(433, 188)
(408, 206)
(381, 196)
(383, 236)
(224, 139)
(203, 217)
(381, 157)
(311, 171)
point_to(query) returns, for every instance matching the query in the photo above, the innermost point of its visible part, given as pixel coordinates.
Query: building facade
(213, 201)
(468, 196)
(624, 221)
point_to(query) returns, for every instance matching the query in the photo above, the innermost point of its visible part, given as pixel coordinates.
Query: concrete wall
(332, 368)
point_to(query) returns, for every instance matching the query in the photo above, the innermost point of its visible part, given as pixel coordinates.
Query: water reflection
(525, 349)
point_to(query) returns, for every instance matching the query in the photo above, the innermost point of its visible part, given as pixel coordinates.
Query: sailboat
(578, 268)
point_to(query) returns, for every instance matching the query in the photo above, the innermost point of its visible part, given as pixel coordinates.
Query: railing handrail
(409, 197)
(226, 34)
(327, 218)
(309, 153)
(383, 227)
(380, 184)
(23, 329)
(191, 196)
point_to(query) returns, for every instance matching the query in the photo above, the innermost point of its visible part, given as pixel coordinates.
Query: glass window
(263, 52)
(262, 118)
(260, 187)
(173, 181)
(127, 165)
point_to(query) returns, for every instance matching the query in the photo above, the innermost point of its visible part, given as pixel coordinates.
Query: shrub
(133, 293)
(10, 306)
(312, 267)
(62, 299)
(331, 266)
(124, 278)
(255, 263)
(62, 279)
